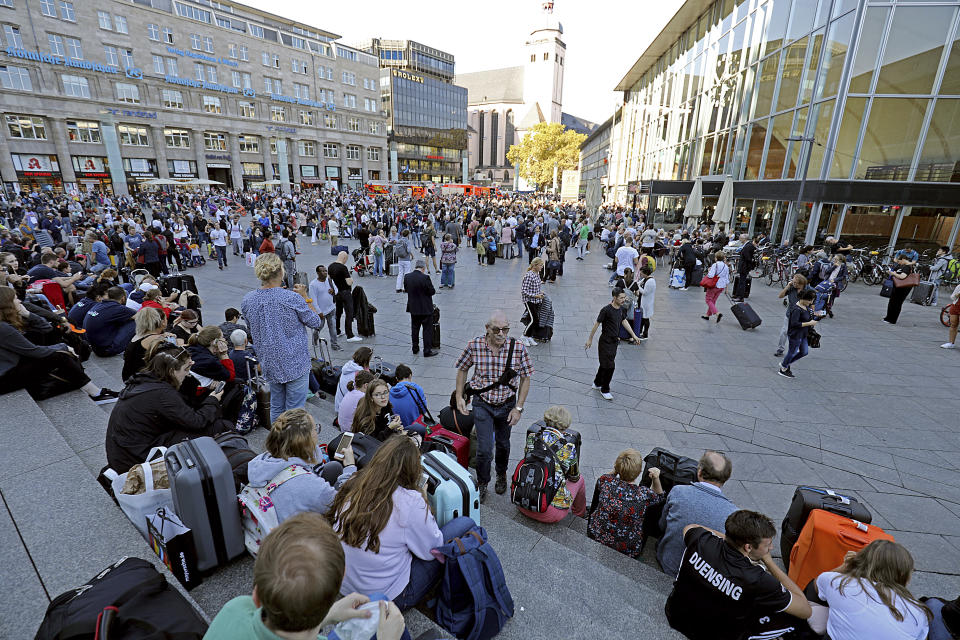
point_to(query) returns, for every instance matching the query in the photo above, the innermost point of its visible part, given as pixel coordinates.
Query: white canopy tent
(694, 208)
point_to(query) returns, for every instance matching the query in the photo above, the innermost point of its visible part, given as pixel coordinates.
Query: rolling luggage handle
(321, 344)
(666, 455)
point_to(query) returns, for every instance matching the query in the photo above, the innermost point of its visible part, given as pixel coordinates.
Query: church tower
(543, 66)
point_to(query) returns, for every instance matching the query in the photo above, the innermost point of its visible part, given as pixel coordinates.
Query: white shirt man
(627, 256)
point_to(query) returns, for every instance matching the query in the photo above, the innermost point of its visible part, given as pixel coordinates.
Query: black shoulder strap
(418, 400)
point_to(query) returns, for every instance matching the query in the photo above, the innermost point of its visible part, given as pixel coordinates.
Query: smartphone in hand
(345, 441)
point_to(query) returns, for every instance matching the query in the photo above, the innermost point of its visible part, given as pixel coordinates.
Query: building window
(177, 138)
(278, 114)
(104, 20)
(249, 144)
(17, 78)
(270, 60)
(26, 127)
(306, 148)
(167, 66)
(546, 56)
(273, 85)
(83, 131)
(74, 50)
(331, 150)
(48, 8)
(120, 23)
(211, 104)
(376, 128)
(214, 141)
(132, 135)
(168, 35)
(75, 86)
(182, 168)
(252, 168)
(307, 118)
(256, 31)
(533, 57)
(194, 13)
(56, 45)
(12, 33)
(66, 11)
(195, 41)
(153, 32)
(129, 93)
(247, 109)
(273, 149)
(350, 100)
(369, 104)
(325, 73)
(172, 98)
(353, 152)
(348, 78)
(301, 91)
(244, 52)
(373, 154)
(126, 58)
(232, 49)
(158, 64)
(203, 72)
(330, 120)
(110, 55)
(353, 124)
(298, 66)
(208, 44)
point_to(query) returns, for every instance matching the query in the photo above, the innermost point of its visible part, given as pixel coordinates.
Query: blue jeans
(520, 247)
(378, 264)
(492, 429)
(426, 574)
(797, 350)
(221, 255)
(288, 395)
(446, 274)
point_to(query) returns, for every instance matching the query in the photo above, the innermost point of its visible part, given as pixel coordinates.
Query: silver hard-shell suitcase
(205, 498)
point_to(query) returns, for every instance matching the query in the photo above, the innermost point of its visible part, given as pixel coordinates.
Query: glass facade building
(856, 102)
(426, 112)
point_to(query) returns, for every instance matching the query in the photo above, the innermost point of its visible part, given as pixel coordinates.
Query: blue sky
(603, 37)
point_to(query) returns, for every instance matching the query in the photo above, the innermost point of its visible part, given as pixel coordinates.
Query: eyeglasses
(503, 330)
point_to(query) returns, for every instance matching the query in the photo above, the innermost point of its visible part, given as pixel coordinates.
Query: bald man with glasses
(498, 389)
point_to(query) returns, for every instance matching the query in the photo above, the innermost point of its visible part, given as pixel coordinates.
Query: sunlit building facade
(857, 102)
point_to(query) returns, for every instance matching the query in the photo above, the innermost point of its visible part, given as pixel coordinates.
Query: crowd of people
(88, 274)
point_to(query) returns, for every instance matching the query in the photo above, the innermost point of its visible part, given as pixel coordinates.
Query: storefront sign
(329, 106)
(86, 164)
(151, 115)
(271, 127)
(434, 157)
(407, 76)
(35, 164)
(37, 56)
(217, 165)
(216, 156)
(201, 56)
(209, 86)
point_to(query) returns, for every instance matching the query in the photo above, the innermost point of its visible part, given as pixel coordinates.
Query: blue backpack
(474, 601)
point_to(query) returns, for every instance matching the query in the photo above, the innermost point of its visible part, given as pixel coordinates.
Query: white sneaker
(593, 386)
(586, 252)
(683, 288)
(355, 339)
(948, 345)
(607, 396)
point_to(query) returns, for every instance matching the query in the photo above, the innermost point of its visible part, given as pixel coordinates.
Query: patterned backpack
(258, 514)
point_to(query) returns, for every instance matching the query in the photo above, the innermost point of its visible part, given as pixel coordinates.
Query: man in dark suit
(420, 292)
(748, 259)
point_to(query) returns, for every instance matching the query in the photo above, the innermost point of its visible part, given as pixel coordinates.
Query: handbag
(813, 339)
(172, 541)
(886, 289)
(709, 282)
(911, 280)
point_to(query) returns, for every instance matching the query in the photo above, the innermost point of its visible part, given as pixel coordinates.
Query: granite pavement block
(732, 444)
(78, 531)
(692, 445)
(930, 552)
(722, 428)
(649, 420)
(679, 416)
(866, 454)
(25, 604)
(793, 431)
(224, 584)
(782, 445)
(773, 499)
(654, 437)
(912, 513)
(860, 467)
(77, 418)
(941, 585)
(27, 444)
(728, 416)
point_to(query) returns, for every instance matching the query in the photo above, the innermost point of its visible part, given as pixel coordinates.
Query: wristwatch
(519, 409)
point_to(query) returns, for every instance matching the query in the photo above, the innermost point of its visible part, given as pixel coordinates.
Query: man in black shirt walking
(340, 275)
(728, 586)
(610, 318)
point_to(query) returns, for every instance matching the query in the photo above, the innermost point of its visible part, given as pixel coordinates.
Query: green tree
(547, 144)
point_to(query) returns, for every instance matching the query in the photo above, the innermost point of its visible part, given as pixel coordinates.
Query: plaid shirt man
(530, 287)
(489, 365)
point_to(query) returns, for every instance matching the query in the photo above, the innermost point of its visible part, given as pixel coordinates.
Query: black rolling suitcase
(364, 446)
(746, 316)
(922, 293)
(386, 371)
(746, 289)
(205, 498)
(805, 500)
(321, 366)
(674, 470)
(436, 327)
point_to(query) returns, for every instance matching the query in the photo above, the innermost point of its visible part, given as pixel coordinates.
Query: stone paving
(872, 413)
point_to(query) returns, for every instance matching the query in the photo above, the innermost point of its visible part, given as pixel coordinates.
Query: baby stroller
(184, 248)
(363, 262)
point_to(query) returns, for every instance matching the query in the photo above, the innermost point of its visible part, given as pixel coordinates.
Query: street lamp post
(790, 223)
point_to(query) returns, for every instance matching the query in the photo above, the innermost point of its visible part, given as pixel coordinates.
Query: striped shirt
(530, 289)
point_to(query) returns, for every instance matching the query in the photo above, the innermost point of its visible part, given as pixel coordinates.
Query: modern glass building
(856, 102)
(426, 112)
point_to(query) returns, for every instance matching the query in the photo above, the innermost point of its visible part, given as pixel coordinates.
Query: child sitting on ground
(296, 582)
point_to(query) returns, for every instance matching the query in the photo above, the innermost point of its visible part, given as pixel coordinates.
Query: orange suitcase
(824, 540)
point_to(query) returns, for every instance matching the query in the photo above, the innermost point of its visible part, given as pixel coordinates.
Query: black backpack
(129, 600)
(534, 482)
